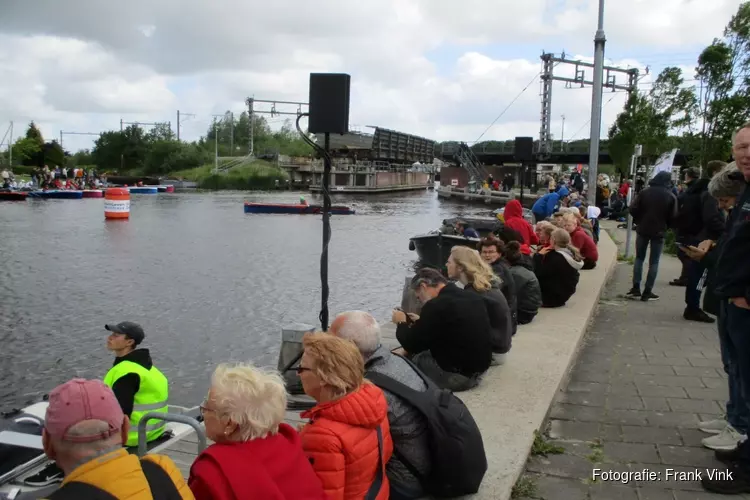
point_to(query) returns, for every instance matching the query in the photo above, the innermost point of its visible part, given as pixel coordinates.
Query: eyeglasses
(203, 409)
(301, 369)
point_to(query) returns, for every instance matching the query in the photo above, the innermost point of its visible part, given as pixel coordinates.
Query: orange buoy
(117, 203)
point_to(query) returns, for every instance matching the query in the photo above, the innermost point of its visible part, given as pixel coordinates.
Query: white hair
(736, 132)
(361, 328)
(253, 398)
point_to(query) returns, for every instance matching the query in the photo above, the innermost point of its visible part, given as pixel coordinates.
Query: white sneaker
(726, 440)
(713, 426)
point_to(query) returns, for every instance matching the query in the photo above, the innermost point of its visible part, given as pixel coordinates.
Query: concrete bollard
(291, 348)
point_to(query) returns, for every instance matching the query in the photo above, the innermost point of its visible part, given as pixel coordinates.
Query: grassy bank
(255, 175)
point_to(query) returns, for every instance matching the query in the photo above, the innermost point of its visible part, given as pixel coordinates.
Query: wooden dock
(185, 450)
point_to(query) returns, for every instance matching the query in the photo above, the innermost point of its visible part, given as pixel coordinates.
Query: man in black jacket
(653, 210)
(699, 219)
(450, 340)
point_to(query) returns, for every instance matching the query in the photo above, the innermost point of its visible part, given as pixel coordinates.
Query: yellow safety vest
(152, 396)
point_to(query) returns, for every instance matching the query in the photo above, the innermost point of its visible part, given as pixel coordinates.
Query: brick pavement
(643, 380)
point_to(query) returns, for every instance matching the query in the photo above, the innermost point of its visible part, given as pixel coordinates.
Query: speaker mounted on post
(329, 103)
(524, 149)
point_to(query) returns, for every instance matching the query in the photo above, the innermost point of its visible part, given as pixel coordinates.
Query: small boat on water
(13, 195)
(57, 194)
(22, 455)
(93, 193)
(296, 208)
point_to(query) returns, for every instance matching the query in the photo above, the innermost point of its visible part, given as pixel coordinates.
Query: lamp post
(596, 105)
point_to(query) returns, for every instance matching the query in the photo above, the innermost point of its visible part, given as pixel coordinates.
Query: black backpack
(456, 447)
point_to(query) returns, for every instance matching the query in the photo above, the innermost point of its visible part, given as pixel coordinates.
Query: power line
(508, 106)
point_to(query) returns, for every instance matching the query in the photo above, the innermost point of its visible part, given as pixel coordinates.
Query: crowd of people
(385, 423)
(57, 178)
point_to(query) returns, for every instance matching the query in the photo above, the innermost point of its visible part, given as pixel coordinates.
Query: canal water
(207, 282)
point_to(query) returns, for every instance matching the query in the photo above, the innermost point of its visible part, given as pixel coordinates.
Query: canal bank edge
(514, 399)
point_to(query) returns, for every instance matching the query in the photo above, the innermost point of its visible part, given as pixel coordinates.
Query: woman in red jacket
(255, 454)
(348, 439)
(582, 241)
(513, 215)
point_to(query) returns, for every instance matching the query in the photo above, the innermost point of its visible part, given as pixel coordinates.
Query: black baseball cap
(129, 329)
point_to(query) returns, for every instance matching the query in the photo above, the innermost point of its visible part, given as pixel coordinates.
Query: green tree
(27, 150)
(52, 154)
(724, 74)
(126, 150)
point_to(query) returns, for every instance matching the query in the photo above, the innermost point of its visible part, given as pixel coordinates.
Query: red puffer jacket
(342, 443)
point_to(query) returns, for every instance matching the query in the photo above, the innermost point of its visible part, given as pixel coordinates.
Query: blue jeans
(734, 340)
(641, 246)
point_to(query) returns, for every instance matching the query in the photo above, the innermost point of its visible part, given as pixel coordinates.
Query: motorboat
(13, 195)
(296, 208)
(93, 193)
(22, 455)
(434, 248)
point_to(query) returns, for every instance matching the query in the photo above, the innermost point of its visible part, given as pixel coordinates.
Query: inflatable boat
(298, 208)
(93, 193)
(144, 190)
(23, 462)
(57, 194)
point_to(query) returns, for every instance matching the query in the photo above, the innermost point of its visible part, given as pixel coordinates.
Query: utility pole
(216, 148)
(250, 106)
(120, 124)
(180, 117)
(231, 134)
(596, 105)
(10, 146)
(562, 134)
(580, 80)
(273, 112)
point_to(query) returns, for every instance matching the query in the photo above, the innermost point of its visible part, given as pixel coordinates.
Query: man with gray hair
(408, 425)
(84, 432)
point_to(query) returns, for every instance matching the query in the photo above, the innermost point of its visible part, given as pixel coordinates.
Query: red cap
(80, 400)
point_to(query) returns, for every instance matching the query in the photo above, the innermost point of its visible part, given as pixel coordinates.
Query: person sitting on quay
(348, 440)
(139, 386)
(408, 425)
(466, 231)
(528, 293)
(557, 268)
(513, 218)
(489, 251)
(544, 230)
(451, 340)
(466, 266)
(255, 454)
(581, 240)
(84, 431)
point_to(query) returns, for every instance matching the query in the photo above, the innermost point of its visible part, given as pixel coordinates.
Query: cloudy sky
(427, 67)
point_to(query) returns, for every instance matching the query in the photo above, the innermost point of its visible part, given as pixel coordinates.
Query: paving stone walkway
(643, 380)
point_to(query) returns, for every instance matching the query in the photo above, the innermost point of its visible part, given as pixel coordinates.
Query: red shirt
(585, 244)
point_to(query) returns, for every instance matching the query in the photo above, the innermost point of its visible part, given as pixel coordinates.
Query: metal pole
(178, 124)
(326, 233)
(61, 139)
(562, 135)
(10, 147)
(120, 124)
(252, 125)
(231, 134)
(216, 148)
(596, 105)
(630, 217)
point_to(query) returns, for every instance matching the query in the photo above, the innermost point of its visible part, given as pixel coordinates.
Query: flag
(664, 163)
